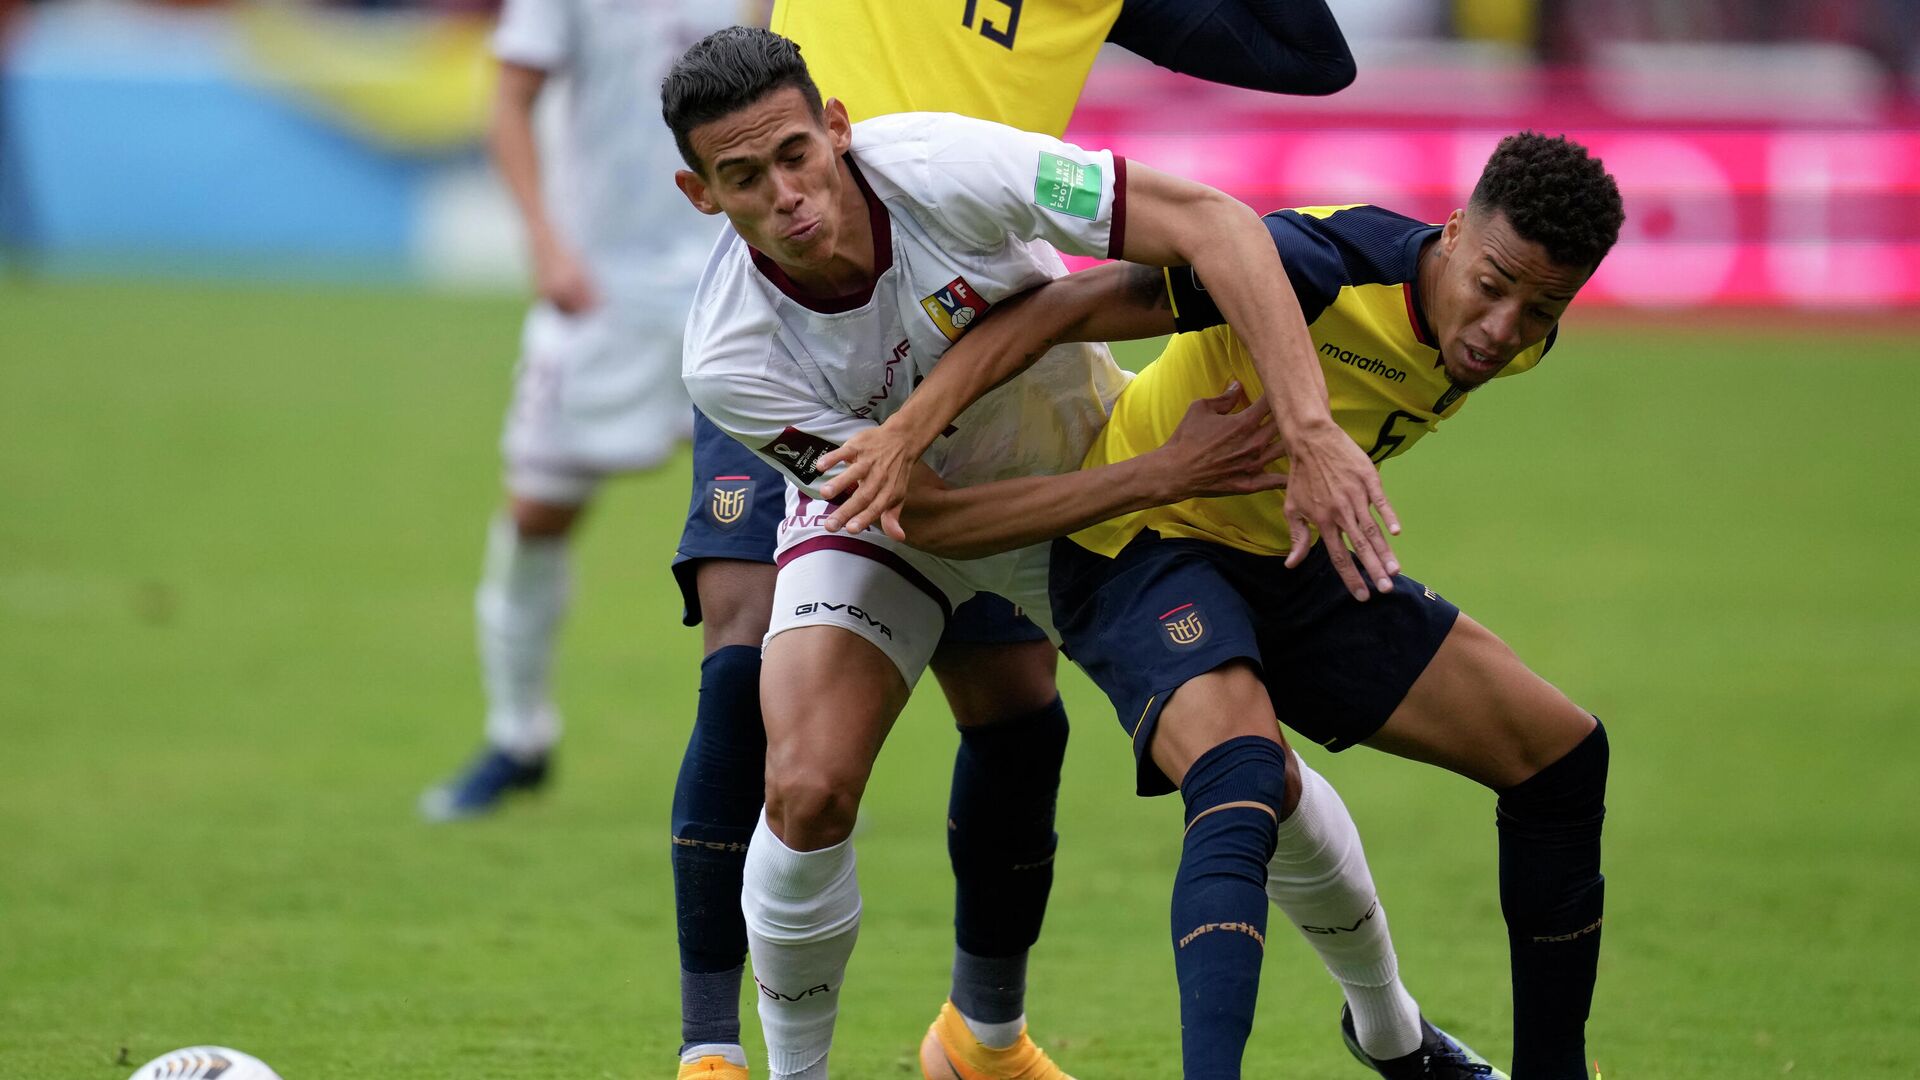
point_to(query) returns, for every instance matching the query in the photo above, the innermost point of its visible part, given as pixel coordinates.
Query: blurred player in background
(1186, 617)
(1023, 64)
(616, 252)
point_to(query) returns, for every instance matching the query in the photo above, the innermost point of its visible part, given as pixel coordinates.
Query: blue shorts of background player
(1168, 610)
(1006, 773)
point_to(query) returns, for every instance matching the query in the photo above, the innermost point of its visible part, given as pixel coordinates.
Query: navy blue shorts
(738, 501)
(1168, 610)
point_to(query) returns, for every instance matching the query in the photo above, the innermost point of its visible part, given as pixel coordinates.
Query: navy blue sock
(716, 803)
(1551, 893)
(1234, 795)
(1000, 839)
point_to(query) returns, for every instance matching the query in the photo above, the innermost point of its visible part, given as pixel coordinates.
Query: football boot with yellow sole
(950, 1052)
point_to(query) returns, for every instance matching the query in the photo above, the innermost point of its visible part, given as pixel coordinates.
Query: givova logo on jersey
(728, 498)
(954, 308)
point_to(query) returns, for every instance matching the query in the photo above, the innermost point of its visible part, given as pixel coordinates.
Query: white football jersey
(963, 213)
(610, 166)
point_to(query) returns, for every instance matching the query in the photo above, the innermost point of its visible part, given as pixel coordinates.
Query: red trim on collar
(882, 227)
(1413, 317)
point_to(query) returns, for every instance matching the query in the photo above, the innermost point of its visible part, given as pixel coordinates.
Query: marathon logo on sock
(1184, 627)
(727, 500)
(799, 453)
(954, 308)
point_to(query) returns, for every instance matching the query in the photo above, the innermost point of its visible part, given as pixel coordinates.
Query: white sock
(996, 1036)
(803, 914)
(519, 605)
(1319, 879)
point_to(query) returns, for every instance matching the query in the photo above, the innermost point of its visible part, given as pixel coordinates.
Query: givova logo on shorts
(1184, 627)
(728, 498)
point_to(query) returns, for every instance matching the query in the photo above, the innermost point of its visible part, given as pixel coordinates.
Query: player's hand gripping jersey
(1353, 269)
(962, 213)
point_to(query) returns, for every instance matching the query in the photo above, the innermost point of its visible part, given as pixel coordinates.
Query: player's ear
(696, 191)
(1450, 234)
(839, 126)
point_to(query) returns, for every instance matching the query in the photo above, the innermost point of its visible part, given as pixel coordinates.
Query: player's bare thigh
(987, 683)
(736, 602)
(1226, 703)
(828, 697)
(1477, 710)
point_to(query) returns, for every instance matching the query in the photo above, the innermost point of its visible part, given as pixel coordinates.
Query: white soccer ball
(205, 1063)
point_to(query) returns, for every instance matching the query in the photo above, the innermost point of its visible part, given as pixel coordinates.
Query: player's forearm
(986, 519)
(1113, 302)
(516, 153)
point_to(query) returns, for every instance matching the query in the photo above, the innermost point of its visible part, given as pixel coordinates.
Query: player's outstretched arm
(1280, 46)
(1335, 487)
(1215, 451)
(1113, 302)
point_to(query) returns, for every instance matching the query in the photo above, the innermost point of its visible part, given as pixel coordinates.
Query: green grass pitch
(239, 532)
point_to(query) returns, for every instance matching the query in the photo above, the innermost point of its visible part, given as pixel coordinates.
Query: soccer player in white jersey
(615, 253)
(855, 258)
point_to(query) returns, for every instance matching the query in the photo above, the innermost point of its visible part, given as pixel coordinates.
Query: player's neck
(851, 269)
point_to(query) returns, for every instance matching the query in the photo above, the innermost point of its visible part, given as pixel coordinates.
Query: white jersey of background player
(615, 253)
(970, 208)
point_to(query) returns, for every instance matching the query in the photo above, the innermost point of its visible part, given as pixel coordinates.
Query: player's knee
(536, 520)
(994, 684)
(1567, 797)
(811, 808)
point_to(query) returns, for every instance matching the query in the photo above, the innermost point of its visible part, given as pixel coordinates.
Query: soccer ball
(205, 1063)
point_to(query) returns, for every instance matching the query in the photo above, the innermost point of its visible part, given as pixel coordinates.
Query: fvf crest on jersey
(954, 307)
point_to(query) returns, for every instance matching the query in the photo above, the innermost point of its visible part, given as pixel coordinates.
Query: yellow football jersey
(1353, 268)
(1017, 62)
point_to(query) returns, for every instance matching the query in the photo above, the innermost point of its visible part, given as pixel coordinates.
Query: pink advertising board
(1737, 216)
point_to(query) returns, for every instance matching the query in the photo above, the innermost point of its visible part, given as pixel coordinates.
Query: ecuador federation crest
(954, 308)
(728, 499)
(1184, 627)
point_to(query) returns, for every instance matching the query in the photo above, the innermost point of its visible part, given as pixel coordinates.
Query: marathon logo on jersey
(852, 611)
(1184, 627)
(954, 308)
(1066, 186)
(799, 453)
(727, 500)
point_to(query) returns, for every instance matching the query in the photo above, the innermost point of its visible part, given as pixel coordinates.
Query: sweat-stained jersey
(963, 212)
(1020, 62)
(1353, 269)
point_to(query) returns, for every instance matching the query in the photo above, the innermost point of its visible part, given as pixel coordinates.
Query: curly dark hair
(726, 71)
(1553, 193)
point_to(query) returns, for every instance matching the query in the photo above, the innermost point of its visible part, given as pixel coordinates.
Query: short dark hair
(725, 71)
(1553, 193)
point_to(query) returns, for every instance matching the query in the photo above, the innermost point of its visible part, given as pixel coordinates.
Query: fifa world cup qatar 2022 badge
(727, 500)
(1184, 627)
(954, 307)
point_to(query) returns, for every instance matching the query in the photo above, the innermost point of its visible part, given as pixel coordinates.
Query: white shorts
(897, 597)
(594, 394)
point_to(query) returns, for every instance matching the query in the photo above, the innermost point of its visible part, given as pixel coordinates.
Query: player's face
(773, 168)
(1494, 295)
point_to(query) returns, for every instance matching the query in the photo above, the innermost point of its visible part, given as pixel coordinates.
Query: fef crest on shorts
(1184, 627)
(728, 499)
(954, 308)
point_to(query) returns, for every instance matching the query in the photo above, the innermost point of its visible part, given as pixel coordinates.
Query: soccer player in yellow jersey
(1023, 63)
(1209, 622)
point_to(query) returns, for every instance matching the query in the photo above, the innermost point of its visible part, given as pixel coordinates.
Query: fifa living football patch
(1065, 186)
(954, 308)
